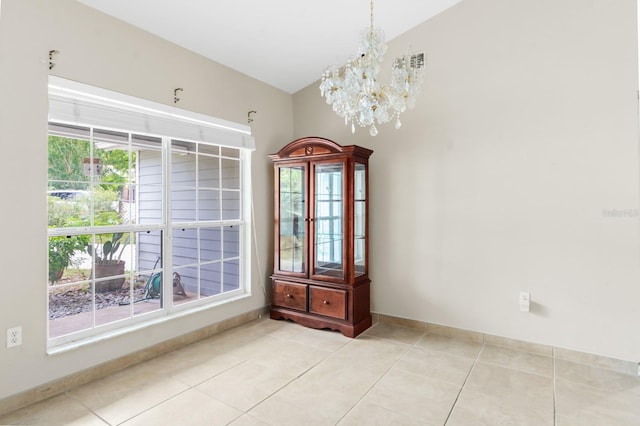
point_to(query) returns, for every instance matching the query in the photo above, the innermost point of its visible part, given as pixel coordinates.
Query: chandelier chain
(371, 18)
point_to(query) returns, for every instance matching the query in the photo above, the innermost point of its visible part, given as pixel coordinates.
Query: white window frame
(72, 103)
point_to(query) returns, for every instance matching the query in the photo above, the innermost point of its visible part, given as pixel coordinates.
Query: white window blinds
(75, 103)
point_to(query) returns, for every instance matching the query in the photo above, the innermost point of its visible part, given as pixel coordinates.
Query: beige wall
(527, 130)
(101, 51)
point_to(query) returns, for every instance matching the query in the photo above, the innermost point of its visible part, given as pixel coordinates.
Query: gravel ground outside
(74, 299)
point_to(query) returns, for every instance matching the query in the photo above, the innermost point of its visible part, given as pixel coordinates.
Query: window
(141, 224)
(206, 217)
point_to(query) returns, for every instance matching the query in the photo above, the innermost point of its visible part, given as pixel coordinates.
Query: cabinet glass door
(292, 253)
(328, 219)
(359, 220)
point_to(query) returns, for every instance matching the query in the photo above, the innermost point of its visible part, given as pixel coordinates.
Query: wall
(98, 50)
(517, 171)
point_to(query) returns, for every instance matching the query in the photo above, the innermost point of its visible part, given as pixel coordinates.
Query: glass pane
(70, 308)
(209, 172)
(231, 276)
(67, 208)
(127, 204)
(113, 168)
(185, 284)
(206, 149)
(183, 181)
(359, 220)
(148, 278)
(145, 143)
(109, 139)
(328, 219)
(147, 246)
(209, 204)
(70, 290)
(183, 169)
(230, 205)
(111, 256)
(114, 305)
(230, 152)
(69, 131)
(292, 219)
(185, 252)
(146, 292)
(183, 204)
(210, 244)
(107, 207)
(210, 279)
(230, 174)
(183, 148)
(149, 199)
(148, 191)
(231, 242)
(185, 247)
(66, 161)
(69, 195)
(68, 259)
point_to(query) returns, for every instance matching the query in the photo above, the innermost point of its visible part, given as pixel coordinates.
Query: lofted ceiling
(285, 43)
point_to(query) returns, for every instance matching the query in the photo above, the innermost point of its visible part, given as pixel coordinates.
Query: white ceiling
(285, 43)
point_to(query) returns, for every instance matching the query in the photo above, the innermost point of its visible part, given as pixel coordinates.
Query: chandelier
(355, 93)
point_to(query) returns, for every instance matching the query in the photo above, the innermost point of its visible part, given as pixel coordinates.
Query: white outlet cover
(14, 337)
(525, 300)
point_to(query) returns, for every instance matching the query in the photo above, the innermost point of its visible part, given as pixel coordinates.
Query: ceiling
(285, 43)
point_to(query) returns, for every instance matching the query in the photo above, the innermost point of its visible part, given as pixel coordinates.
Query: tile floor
(279, 373)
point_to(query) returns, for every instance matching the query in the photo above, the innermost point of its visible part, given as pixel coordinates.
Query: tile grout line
(294, 379)
(464, 383)
(383, 375)
(520, 370)
(155, 405)
(135, 415)
(247, 412)
(230, 367)
(189, 387)
(68, 394)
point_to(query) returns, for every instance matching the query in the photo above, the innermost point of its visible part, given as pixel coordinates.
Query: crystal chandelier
(356, 94)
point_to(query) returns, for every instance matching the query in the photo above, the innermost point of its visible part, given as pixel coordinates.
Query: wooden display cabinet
(321, 236)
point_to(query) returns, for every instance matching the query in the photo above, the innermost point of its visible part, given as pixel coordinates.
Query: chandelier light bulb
(355, 93)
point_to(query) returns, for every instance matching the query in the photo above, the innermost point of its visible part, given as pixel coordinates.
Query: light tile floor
(280, 373)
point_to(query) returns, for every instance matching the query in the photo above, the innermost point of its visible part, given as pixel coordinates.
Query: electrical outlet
(14, 337)
(525, 301)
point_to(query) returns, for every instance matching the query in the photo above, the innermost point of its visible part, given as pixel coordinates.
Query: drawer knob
(326, 302)
(289, 295)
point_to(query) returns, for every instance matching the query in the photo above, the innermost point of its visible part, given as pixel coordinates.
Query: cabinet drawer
(328, 301)
(290, 295)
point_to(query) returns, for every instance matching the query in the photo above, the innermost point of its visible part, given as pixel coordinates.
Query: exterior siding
(216, 243)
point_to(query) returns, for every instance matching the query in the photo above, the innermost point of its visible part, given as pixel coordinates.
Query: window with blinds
(148, 211)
